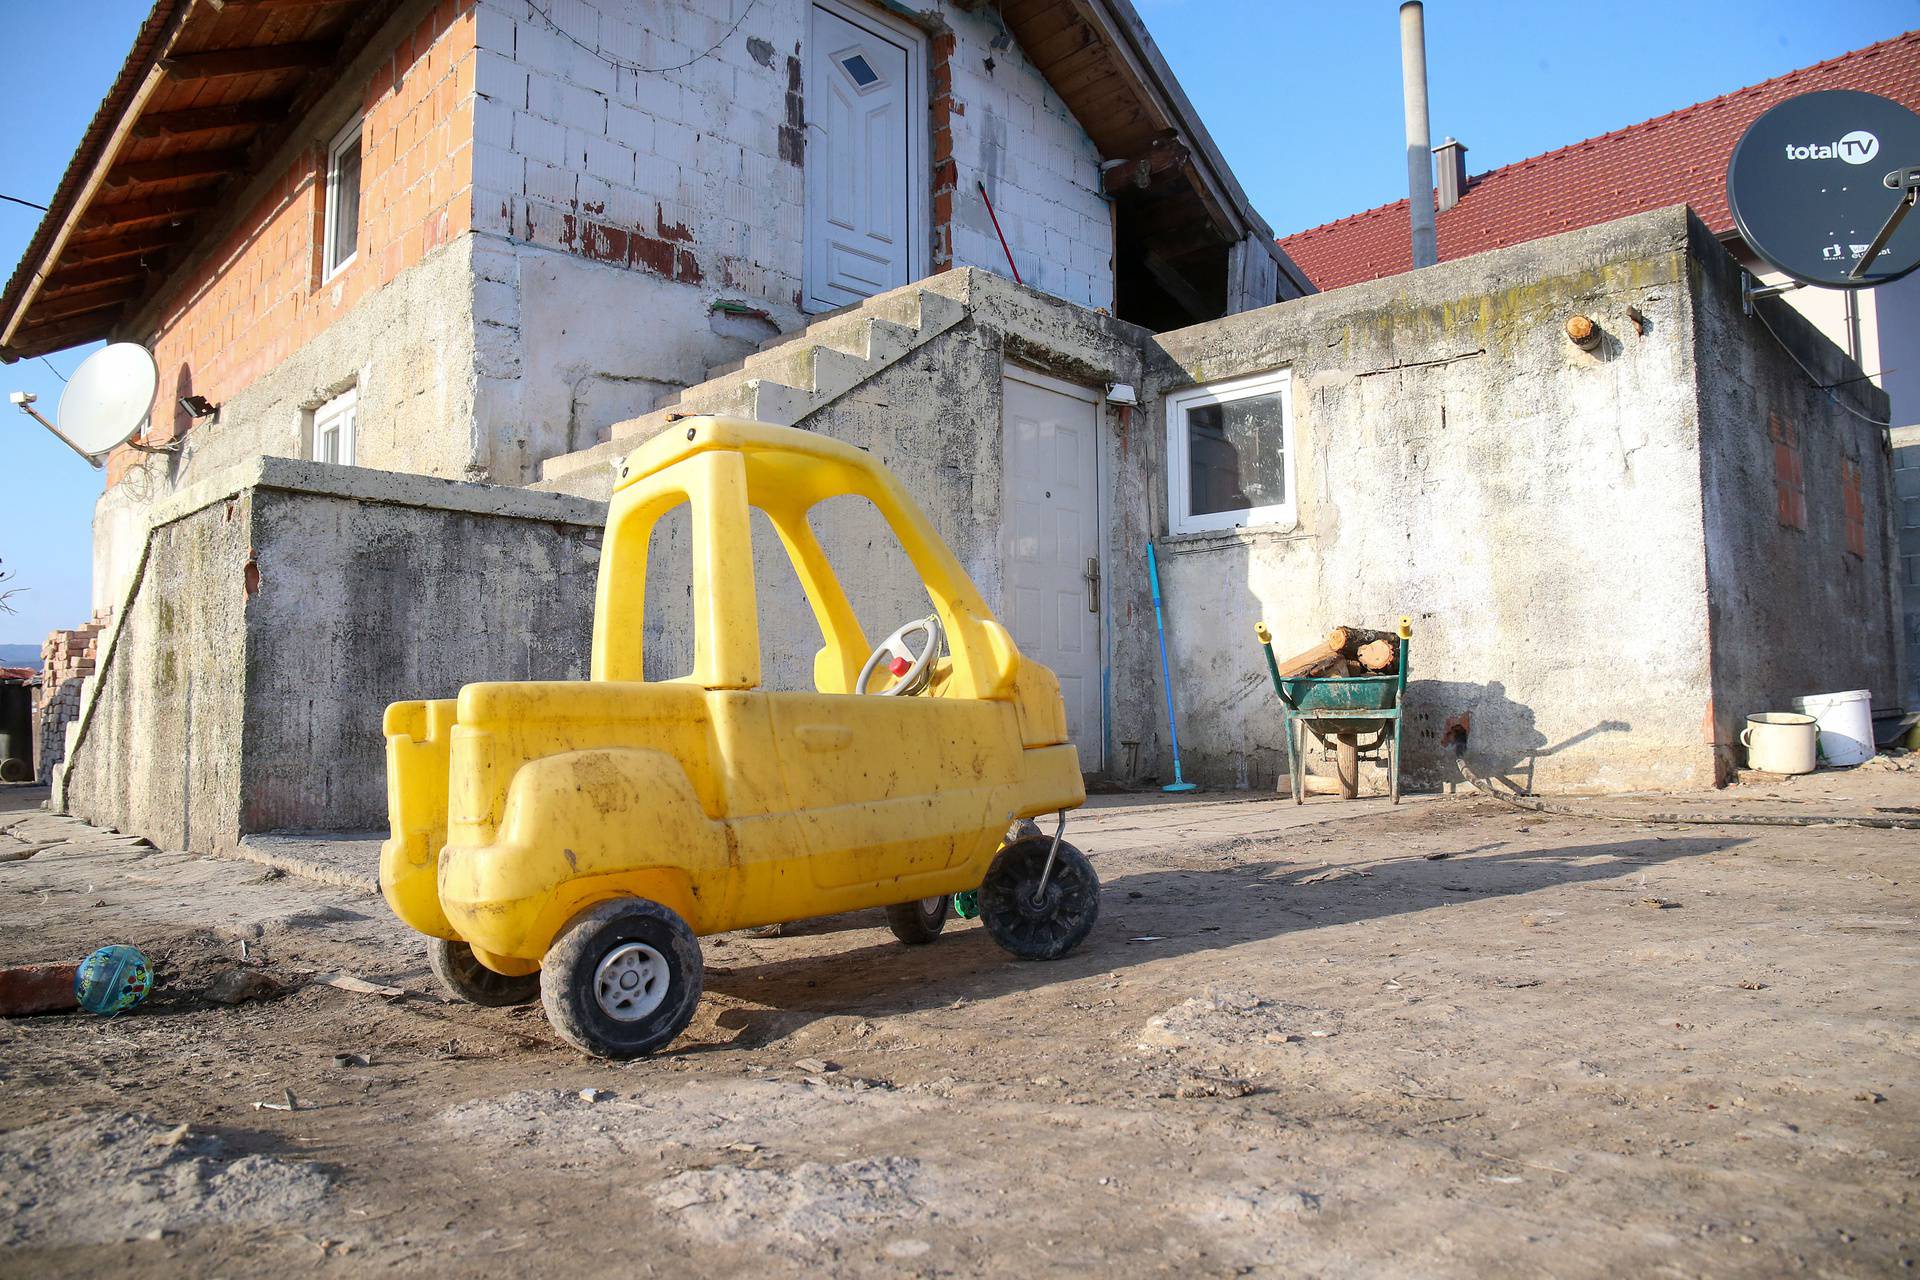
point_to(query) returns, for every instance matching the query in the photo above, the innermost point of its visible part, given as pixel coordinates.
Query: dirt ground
(1446, 1040)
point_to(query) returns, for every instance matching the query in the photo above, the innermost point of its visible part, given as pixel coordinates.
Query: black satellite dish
(1820, 186)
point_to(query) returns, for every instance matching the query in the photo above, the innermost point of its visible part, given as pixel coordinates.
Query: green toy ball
(113, 980)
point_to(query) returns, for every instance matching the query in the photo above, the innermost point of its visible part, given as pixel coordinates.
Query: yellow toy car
(571, 838)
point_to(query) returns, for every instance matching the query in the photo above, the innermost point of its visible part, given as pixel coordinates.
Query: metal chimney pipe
(1413, 78)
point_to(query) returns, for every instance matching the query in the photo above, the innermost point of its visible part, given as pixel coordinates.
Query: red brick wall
(258, 296)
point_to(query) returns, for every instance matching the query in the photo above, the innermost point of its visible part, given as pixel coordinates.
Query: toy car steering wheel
(911, 671)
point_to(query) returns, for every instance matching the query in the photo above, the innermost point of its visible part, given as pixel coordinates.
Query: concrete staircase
(790, 377)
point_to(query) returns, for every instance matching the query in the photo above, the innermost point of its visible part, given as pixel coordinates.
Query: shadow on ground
(1184, 911)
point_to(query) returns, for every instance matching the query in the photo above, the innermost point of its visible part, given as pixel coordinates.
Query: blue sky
(1303, 99)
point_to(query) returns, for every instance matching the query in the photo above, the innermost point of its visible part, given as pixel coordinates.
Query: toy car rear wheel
(465, 978)
(1051, 924)
(918, 923)
(622, 979)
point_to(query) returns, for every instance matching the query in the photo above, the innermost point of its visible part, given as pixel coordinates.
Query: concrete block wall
(1012, 132)
(617, 206)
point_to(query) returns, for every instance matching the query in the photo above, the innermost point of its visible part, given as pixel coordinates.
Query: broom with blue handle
(1166, 673)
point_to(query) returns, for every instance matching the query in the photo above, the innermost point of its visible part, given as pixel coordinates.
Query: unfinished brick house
(461, 238)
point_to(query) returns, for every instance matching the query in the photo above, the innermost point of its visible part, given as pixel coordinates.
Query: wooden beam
(129, 213)
(54, 307)
(132, 245)
(1166, 155)
(101, 273)
(254, 6)
(37, 340)
(1177, 288)
(245, 62)
(190, 164)
(231, 115)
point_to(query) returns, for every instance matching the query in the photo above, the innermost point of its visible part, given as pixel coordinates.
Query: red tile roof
(1681, 156)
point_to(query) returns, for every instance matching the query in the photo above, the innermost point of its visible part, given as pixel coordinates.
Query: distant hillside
(20, 655)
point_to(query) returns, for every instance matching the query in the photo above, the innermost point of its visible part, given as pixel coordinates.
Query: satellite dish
(1815, 181)
(108, 398)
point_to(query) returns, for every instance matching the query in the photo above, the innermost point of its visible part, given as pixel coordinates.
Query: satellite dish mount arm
(26, 407)
(1907, 182)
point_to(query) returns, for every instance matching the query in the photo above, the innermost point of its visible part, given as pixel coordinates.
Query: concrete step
(789, 378)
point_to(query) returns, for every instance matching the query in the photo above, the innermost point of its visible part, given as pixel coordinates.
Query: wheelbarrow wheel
(622, 979)
(918, 923)
(465, 978)
(1043, 925)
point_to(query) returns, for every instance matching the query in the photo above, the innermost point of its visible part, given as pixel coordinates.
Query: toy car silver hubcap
(931, 906)
(630, 982)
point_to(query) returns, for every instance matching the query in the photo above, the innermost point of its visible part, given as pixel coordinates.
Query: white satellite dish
(109, 398)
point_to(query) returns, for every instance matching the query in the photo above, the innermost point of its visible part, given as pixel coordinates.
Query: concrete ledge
(389, 488)
(350, 860)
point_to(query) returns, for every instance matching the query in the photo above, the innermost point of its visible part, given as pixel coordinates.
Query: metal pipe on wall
(1413, 79)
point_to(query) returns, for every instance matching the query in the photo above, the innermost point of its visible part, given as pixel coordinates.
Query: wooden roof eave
(137, 200)
(74, 204)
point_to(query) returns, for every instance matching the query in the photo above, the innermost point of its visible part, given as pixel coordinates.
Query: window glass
(1237, 454)
(343, 201)
(333, 424)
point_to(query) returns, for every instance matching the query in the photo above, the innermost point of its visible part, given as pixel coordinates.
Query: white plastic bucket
(1780, 742)
(1846, 724)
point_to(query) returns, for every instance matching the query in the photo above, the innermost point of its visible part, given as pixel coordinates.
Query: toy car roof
(708, 434)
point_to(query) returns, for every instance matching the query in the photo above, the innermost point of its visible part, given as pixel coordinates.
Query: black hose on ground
(1534, 804)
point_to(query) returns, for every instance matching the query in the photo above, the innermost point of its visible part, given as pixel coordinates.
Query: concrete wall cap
(390, 488)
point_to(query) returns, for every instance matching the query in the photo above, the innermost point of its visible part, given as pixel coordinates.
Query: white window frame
(350, 133)
(341, 413)
(1282, 515)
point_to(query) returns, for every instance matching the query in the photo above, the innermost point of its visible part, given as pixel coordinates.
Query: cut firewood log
(1380, 657)
(1315, 661)
(1347, 640)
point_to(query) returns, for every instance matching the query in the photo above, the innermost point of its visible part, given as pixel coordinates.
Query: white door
(865, 194)
(1051, 544)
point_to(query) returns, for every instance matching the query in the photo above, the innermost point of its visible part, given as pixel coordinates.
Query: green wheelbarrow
(1347, 709)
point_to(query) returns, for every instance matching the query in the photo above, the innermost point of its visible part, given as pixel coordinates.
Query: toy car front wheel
(465, 978)
(1031, 923)
(622, 979)
(918, 923)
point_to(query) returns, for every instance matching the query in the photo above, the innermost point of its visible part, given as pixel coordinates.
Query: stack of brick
(66, 660)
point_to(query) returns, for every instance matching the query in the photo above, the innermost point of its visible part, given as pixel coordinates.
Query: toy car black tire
(584, 979)
(465, 978)
(917, 923)
(1062, 918)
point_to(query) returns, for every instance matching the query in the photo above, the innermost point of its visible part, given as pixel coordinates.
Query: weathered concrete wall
(159, 719)
(1534, 508)
(1800, 511)
(283, 606)
(1906, 490)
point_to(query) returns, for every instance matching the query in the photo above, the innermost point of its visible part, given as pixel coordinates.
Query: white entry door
(1051, 544)
(866, 191)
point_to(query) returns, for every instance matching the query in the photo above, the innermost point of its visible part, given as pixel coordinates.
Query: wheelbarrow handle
(1273, 668)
